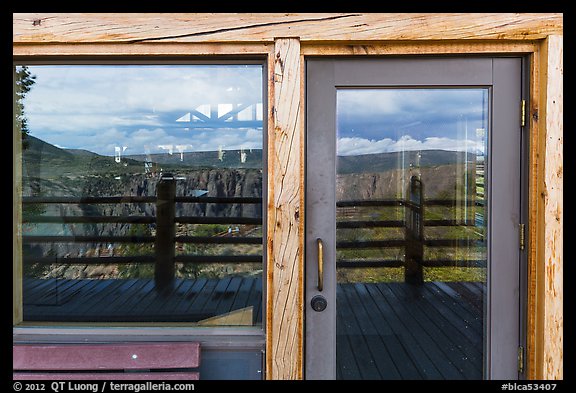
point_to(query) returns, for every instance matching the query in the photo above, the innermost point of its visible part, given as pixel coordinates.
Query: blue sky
(144, 109)
(387, 120)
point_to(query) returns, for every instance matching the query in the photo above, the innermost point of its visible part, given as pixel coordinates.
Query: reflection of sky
(99, 108)
(388, 120)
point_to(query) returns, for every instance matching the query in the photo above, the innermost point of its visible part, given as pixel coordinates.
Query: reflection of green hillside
(249, 158)
(43, 160)
(381, 162)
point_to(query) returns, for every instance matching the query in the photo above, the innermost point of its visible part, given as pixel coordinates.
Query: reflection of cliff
(386, 175)
(443, 181)
(218, 182)
(52, 171)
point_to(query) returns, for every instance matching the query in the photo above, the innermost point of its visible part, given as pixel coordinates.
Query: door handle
(320, 264)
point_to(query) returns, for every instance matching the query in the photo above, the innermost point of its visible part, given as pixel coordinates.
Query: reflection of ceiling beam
(197, 119)
(217, 124)
(235, 111)
(199, 115)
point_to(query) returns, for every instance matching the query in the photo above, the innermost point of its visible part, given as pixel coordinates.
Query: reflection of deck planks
(428, 333)
(411, 341)
(369, 332)
(136, 300)
(383, 331)
(450, 338)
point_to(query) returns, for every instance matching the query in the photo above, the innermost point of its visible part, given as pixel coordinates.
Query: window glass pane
(411, 257)
(141, 193)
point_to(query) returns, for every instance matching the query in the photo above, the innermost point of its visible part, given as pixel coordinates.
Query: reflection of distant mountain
(381, 162)
(249, 158)
(42, 157)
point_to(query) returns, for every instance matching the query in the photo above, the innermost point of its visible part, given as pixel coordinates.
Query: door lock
(318, 303)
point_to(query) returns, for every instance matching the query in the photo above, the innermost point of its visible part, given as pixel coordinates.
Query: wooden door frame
(286, 40)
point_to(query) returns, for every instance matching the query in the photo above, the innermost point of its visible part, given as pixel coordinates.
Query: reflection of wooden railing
(164, 257)
(414, 240)
(166, 239)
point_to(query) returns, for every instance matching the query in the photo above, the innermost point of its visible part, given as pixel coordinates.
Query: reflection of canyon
(49, 171)
(386, 175)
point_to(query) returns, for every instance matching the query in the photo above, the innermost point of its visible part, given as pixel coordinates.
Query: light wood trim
(44, 28)
(552, 128)
(534, 216)
(545, 258)
(149, 50)
(285, 238)
(419, 48)
(17, 314)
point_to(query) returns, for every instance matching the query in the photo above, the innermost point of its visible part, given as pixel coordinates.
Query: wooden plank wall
(155, 35)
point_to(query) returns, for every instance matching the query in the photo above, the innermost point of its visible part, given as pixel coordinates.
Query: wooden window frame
(537, 36)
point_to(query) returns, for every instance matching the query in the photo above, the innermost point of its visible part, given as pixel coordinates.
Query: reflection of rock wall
(218, 182)
(221, 183)
(443, 181)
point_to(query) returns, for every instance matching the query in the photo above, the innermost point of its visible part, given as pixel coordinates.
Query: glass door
(413, 178)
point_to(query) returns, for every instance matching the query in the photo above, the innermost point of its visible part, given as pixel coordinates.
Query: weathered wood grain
(419, 48)
(553, 210)
(147, 50)
(535, 215)
(285, 237)
(264, 27)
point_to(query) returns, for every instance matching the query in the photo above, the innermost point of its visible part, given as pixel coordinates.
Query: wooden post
(165, 232)
(414, 233)
(285, 237)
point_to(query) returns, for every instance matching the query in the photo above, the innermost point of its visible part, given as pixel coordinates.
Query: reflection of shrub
(38, 269)
(137, 270)
(200, 270)
(34, 270)
(188, 270)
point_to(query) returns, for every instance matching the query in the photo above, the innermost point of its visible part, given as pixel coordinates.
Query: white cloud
(359, 146)
(76, 106)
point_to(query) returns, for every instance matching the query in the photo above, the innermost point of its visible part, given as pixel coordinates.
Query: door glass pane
(141, 193)
(411, 233)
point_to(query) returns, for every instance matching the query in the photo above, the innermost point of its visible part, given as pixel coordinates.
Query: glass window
(141, 193)
(411, 259)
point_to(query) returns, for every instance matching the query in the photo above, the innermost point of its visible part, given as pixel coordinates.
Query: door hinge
(520, 359)
(523, 113)
(263, 365)
(522, 235)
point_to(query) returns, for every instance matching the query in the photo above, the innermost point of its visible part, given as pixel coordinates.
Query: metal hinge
(263, 365)
(520, 359)
(522, 235)
(523, 113)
